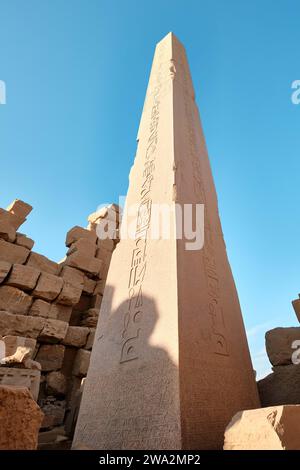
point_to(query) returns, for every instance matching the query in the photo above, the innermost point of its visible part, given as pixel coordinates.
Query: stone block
(279, 342)
(54, 331)
(281, 387)
(4, 270)
(20, 325)
(20, 357)
(89, 286)
(73, 275)
(84, 246)
(296, 305)
(99, 288)
(14, 300)
(10, 218)
(104, 255)
(90, 318)
(25, 241)
(84, 303)
(105, 215)
(7, 231)
(96, 301)
(105, 244)
(81, 363)
(48, 287)
(90, 339)
(22, 276)
(70, 294)
(84, 263)
(50, 356)
(43, 263)
(40, 308)
(20, 419)
(56, 384)
(51, 437)
(78, 232)
(76, 336)
(273, 428)
(29, 378)
(13, 253)
(60, 312)
(13, 342)
(74, 404)
(19, 209)
(54, 413)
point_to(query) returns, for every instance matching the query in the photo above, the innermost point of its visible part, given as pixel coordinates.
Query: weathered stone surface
(13, 253)
(23, 277)
(76, 336)
(10, 218)
(109, 211)
(40, 308)
(81, 363)
(103, 217)
(105, 244)
(51, 356)
(18, 357)
(84, 246)
(274, 428)
(54, 412)
(7, 231)
(84, 303)
(279, 342)
(89, 286)
(99, 288)
(20, 325)
(163, 300)
(90, 339)
(14, 300)
(74, 404)
(281, 387)
(48, 287)
(20, 419)
(19, 209)
(42, 263)
(296, 305)
(53, 331)
(56, 384)
(73, 275)
(84, 263)
(90, 318)
(31, 364)
(96, 301)
(13, 342)
(52, 436)
(70, 294)
(60, 312)
(4, 270)
(29, 378)
(25, 241)
(78, 232)
(104, 255)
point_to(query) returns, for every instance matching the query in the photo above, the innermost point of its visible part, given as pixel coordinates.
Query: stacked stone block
(54, 304)
(282, 386)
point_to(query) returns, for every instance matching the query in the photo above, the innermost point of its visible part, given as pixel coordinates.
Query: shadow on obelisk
(131, 397)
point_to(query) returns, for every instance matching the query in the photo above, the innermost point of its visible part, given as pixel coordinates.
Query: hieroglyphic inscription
(214, 308)
(134, 313)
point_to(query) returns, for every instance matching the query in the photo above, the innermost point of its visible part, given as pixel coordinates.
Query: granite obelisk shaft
(170, 364)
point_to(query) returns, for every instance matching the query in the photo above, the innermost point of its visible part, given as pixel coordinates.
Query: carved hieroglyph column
(170, 364)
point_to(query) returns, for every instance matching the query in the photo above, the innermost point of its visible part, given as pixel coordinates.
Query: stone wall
(49, 311)
(282, 386)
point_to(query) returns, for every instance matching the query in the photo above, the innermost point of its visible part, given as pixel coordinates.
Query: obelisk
(170, 365)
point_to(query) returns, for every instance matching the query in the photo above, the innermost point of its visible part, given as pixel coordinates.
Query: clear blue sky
(76, 73)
